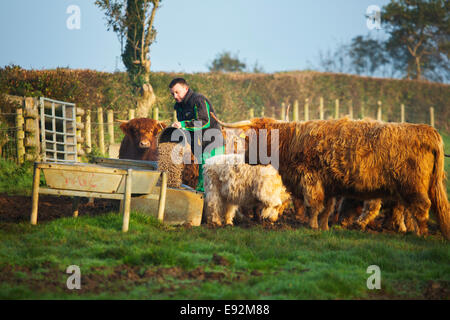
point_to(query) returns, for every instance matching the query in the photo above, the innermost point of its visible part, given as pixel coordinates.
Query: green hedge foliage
(233, 94)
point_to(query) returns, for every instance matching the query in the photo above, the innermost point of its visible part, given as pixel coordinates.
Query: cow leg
(348, 210)
(335, 213)
(214, 204)
(324, 215)
(269, 213)
(314, 198)
(420, 204)
(299, 207)
(230, 212)
(398, 217)
(410, 221)
(370, 211)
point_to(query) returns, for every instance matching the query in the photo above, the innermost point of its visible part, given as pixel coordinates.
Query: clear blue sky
(281, 35)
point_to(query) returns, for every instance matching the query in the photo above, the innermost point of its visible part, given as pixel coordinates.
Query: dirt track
(18, 208)
(14, 209)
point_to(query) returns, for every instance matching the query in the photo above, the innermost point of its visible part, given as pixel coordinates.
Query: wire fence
(8, 137)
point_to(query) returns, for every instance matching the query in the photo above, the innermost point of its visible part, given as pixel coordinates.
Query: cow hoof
(402, 228)
(357, 226)
(314, 226)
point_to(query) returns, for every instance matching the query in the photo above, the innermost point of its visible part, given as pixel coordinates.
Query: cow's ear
(124, 126)
(160, 127)
(157, 130)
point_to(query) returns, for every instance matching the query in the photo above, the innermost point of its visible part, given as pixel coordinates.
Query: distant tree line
(417, 45)
(225, 61)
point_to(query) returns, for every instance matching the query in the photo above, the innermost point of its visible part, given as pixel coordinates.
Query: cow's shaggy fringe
(231, 184)
(363, 159)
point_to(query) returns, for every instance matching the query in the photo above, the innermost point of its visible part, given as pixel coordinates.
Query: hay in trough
(170, 161)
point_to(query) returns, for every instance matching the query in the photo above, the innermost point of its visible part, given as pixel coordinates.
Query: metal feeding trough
(183, 205)
(131, 181)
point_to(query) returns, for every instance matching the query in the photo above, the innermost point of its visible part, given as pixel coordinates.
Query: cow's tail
(437, 192)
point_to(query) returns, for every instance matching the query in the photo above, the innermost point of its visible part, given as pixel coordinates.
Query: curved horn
(232, 125)
(122, 121)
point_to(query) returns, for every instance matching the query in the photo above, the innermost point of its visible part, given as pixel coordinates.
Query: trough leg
(35, 197)
(127, 201)
(162, 196)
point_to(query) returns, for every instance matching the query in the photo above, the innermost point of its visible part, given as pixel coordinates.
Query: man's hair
(176, 81)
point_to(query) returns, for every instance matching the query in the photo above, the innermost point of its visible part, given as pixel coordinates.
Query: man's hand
(176, 124)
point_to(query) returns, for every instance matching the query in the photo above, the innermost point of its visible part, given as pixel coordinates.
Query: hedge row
(233, 94)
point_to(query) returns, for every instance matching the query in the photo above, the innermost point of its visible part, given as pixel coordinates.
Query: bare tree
(133, 22)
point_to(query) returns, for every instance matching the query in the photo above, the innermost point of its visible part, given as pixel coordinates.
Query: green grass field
(154, 261)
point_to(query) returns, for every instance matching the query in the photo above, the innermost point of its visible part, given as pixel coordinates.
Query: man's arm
(202, 113)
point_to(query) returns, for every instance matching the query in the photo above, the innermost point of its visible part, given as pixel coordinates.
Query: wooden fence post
(379, 115)
(175, 116)
(432, 116)
(306, 109)
(79, 128)
(283, 111)
(251, 113)
(362, 109)
(321, 114)
(336, 109)
(110, 119)
(156, 113)
(131, 114)
(295, 111)
(350, 109)
(101, 133)
(87, 132)
(20, 135)
(31, 129)
(402, 113)
(262, 112)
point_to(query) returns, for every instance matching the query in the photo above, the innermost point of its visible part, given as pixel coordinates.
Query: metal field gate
(58, 131)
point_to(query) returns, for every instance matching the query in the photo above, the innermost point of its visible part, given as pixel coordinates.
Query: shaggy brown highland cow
(322, 159)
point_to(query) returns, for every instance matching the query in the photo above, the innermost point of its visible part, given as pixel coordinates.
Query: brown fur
(146, 130)
(322, 159)
(140, 141)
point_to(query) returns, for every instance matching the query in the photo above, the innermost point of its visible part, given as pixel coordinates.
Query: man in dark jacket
(194, 115)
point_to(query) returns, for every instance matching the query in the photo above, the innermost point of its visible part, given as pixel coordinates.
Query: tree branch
(149, 31)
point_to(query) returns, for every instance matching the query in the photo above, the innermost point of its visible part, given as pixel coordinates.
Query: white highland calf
(231, 184)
